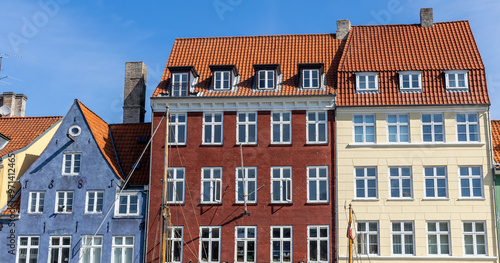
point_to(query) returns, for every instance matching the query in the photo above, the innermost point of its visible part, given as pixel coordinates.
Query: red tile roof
(23, 130)
(390, 48)
(129, 149)
(495, 134)
(244, 52)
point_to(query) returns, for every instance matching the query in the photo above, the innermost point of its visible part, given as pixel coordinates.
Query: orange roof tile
(495, 135)
(129, 149)
(23, 130)
(244, 52)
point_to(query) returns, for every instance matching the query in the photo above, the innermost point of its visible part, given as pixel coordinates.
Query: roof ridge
(255, 36)
(415, 24)
(116, 124)
(81, 104)
(30, 117)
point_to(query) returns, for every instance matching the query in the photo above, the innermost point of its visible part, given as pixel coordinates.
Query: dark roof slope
(495, 135)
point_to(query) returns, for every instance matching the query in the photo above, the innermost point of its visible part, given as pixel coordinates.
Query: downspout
(148, 198)
(337, 236)
(492, 161)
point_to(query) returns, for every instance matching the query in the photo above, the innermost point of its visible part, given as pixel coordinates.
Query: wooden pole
(348, 234)
(165, 209)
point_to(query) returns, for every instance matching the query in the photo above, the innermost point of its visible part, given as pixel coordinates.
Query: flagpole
(349, 234)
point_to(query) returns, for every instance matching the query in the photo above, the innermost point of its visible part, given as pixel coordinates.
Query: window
(400, 182)
(28, 249)
(367, 82)
(211, 185)
(438, 238)
(71, 164)
(432, 128)
(266, 79)
(317, 129)
(456, 79)
(59, 249)
(310, 78)
(123, 249)
(364, 128)
(474, 238)
(281, 127)
(64, 202)
(281, 242)
(410, 80)
(175, 185)
(317, 184)
(281, 181)
(175, 243)
(37, 200)
(366, 182)
(435, 182)
(398, 128)
(91, 249)
(318, 244)
(367, 237)
(128, 204)
(180, 84)
(210, 244)
(94, 202)
(222, 80)
(177, 132)
(212, 128)
(247, 127)
(402, 238)
(246, 240)
(471, 182)
(467, 127)
(247, 187)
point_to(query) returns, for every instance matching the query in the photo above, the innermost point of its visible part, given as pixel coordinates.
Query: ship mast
(166, 223)
(350, 232)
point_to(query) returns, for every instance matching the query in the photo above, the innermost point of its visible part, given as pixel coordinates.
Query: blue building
(81, 200)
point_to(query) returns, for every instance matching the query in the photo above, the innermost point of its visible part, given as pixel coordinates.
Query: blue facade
(66, 197)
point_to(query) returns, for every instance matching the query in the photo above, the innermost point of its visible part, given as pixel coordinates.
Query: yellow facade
(418, 209)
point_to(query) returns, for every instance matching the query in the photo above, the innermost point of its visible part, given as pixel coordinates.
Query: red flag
(350, 229)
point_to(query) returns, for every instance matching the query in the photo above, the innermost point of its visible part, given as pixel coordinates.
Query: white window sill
(281, 203)
(417, 144)
(458, 89)
(400, 199)
(362, 91)
(471, 199)
(366, 199)
(210, 203)
(410, 90)
(436, 199)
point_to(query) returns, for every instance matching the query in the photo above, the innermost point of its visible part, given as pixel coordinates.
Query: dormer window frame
(266, 69)
(456, 78)
(310, 67)
(365, 77)
(177, 75)
(218, 72)
(411, 75)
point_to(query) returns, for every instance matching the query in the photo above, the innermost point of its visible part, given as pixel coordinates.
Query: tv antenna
(1, 57)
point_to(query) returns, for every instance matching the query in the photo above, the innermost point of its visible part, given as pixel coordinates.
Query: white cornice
(411, 108)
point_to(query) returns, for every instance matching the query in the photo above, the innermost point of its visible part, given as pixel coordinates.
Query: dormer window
(456, 80)
(221, 80)
(410, 81)
(267, 76)
(367, 82)
(183, 80)
(224, 77)
(310, 75)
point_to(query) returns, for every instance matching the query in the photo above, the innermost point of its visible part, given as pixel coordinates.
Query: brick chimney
(16, 103)
(426, 17)
(134, 99)
(343, 28)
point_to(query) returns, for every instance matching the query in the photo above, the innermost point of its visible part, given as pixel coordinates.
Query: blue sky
(78, 49)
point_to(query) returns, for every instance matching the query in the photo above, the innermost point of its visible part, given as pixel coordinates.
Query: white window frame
(434, 177)
(316, 181)
(68, 195)
(246, 240)
(468, 125)
(284, 183)
(402, 233)
(433, 125)
(219, 78)
(175, 241)
(365, 179)
(247, 181)
(311, 79)
(128, 204)
(318, 239)
(475, 234)
(174, 125)
(213, 124)
(281, 123)
(28, 247)
(179, 92)
(95, 202)
(247, 127)
(318, 125)
(123, 247)
(59, 248)
(456, 73)
(364, 126)
(411, 75)
(215, 194)
(363, 237)
(282, 239)
(266, 79)
(88, 242)
(364, 77)
(400, 178)
(210, 239)
(72, 164)
(174, 177)
(438, 233)
(39, 198)
(470, 179)
(398, 125)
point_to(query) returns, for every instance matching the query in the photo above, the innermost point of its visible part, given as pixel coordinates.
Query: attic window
(310, 75)
(266, 76)
(224, 76)
(456, 80)
(182, 80)
(74, 130)
(410, 81)
(142, 139)
(367, 82)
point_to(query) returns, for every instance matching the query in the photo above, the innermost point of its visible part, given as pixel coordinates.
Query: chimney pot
(426, 17)
(134, 99)
(343, 28)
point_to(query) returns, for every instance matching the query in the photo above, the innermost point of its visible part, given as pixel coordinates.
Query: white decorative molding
(412, 108)
(418, 144)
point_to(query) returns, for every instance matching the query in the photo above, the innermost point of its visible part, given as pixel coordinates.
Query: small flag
(350, 229)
